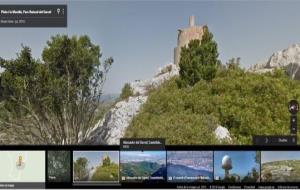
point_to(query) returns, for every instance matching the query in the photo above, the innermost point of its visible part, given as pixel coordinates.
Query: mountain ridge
(287, 59)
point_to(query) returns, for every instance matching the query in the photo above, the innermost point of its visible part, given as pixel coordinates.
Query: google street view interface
(149, 94)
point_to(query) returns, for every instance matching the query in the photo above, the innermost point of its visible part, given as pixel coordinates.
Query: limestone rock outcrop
(222, 133)
(289, 59)
(112, 127)
(141, 87)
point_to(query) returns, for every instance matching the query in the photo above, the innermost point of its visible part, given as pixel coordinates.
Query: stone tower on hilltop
(185, 35)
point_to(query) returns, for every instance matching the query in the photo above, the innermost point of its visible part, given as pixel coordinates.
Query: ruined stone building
(185, 35)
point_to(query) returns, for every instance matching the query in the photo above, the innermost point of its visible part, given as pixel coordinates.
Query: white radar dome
(226, 162)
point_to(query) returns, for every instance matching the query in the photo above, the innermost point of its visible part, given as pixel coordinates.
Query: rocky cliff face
(288, 58)
(112, 127)
(141, 87)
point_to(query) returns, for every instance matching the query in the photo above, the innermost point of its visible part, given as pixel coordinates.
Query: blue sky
(269, 156)
(95, 157)
(140, 36)
(242, 162)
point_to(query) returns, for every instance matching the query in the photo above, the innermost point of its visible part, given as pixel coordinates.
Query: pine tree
(199, 60)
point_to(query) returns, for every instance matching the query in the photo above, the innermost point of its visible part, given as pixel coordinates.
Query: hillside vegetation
(139, 168)
(245, 103)
(281, 171)
(188, 109)
(106, 173)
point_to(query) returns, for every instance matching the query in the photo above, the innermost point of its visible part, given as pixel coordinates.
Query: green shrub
(233, 63)
(126, 92)
(245, 103)
(198, 61)
(106, 173)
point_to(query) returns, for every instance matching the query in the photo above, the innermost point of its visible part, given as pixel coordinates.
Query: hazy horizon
(140, 36)
(138, 156)
(271, 156)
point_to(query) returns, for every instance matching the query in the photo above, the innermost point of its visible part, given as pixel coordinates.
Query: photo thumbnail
(95, 166)
(280, 166)
(237, 166)
(190, 166)
(59, 169)
(143, 166)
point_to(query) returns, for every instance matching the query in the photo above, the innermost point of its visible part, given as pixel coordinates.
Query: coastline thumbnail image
(190, 166)
(59, 169)
(237, 166)
(95, 166)
(280, 166)
(143, 166)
